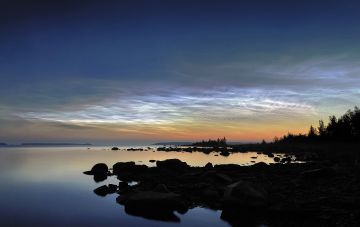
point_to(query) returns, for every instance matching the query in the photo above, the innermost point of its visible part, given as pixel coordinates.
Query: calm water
(44, 186)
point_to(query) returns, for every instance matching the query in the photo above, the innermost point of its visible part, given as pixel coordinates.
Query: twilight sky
(127, 71)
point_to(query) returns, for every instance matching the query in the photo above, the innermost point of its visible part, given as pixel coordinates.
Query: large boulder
(98, 169)
(244, 195)
(172, 164)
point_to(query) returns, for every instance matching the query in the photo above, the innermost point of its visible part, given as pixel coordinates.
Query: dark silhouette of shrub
(343, 129)
(211, 143)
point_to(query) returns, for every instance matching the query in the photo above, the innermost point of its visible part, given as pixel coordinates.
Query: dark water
(44, 186)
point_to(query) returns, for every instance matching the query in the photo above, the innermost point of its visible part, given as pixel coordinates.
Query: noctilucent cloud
(141, 71)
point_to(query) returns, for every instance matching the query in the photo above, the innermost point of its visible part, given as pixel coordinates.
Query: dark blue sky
(62, 58)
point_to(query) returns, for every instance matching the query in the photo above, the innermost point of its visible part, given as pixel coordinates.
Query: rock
(223, 178)
(260, 165)
(316, 173)
(98, 169)
(286, 159)
(224, 153)
(161, 188)
(270, 155)
(254, 157)
(209, 165)
(112, 188)
(277, 159)
(210, 193)
(114, 148)
(124, 187)
(100, 177)
(152, 160)
(152, 205)
(309, 156)
(243, 195)
(152, 198)
(173, 164)
(102, 190)
(123, 167)
(106, 189)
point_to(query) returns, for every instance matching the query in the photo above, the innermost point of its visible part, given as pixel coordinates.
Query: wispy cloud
(185, 106)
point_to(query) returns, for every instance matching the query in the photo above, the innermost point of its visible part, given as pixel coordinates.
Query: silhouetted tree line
(343, 129)
(211, 143)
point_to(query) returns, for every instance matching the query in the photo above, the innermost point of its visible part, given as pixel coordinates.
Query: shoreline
(320, 192)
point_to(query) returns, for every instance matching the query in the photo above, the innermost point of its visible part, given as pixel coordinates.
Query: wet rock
(254, 157)
(277, 159)
(152, 160)
(114, 148)
(243, 195)
(172, 164)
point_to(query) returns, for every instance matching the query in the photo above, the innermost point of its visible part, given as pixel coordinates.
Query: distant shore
(45, 144)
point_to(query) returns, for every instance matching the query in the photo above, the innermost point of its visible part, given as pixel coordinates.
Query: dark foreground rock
(98, 169)
(152, 204)
(284, 194)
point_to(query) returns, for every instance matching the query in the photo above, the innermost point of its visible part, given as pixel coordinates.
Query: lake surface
(45, 186)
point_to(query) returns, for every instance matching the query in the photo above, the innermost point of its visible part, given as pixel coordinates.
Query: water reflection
(46, 187)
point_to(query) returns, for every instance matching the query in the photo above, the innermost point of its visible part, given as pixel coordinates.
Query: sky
(147, 71)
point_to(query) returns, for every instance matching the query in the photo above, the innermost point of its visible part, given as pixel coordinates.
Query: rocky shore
(317, 193)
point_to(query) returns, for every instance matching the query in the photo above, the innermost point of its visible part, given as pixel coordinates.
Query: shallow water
(45, 186)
